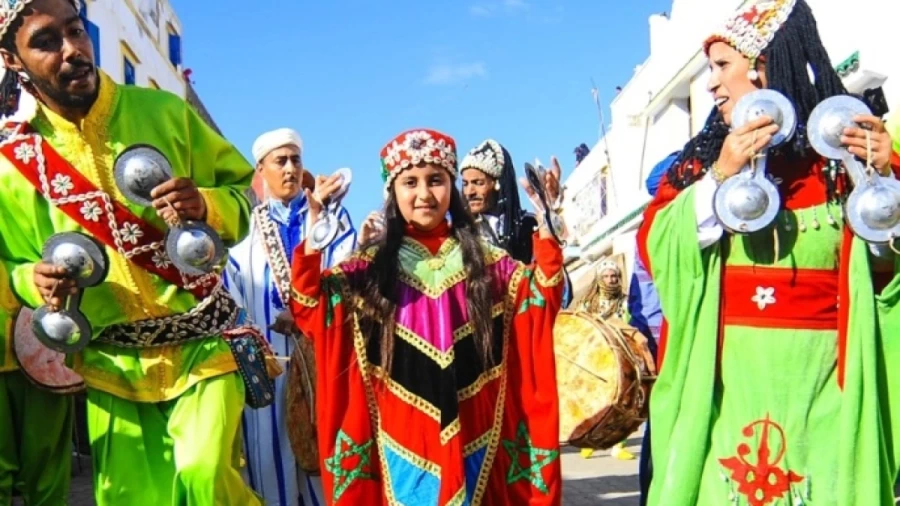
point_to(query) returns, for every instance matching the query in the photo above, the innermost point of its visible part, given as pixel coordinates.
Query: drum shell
(301, 410)
(604, 375)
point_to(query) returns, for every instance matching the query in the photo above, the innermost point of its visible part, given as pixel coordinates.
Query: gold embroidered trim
(274, 250)
(304, 300)
(477, 444)
(459, 498)
(469, 327)
(213, 217)
(436, 291)
(450, 431)
(418, 342)
(421, 463)
(482, 381)
(544, 281)
(404, 394)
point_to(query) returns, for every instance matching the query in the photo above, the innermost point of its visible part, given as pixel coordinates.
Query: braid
(795, 51)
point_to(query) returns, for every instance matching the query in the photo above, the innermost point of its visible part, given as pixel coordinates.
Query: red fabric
(354, 400)
(432, 239)
(895, 163)
(56, 167)
(803, 298)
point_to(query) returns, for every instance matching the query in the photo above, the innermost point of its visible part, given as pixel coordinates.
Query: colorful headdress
(752, 28)
(10, 9)
(414, 147)
(487, 157)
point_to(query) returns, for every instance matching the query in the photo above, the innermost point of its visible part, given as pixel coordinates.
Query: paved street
(600, 480)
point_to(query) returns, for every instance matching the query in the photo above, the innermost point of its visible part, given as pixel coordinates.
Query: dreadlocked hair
(379, 291)
(508, 200)
(795, 51)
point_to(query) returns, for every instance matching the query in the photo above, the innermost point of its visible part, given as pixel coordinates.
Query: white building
(136, 42)
(666, 103)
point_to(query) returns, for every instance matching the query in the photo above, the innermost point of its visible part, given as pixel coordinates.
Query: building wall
(666, 102)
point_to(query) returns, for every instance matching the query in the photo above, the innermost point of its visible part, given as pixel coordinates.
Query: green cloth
(175, 453)
(121, 117)
(35, 442)
(838, 443)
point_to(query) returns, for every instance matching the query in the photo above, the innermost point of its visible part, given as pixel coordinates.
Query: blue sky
(351, 74)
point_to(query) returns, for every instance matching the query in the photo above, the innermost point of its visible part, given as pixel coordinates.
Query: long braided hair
(794, 53)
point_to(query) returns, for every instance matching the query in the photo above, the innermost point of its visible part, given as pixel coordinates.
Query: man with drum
(777, 382)
(150, 337)
(258, 277)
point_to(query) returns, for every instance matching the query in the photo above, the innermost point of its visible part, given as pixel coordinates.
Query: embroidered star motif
(764, 297)
(91, 211)
(536, 299)
(131, 232)
(361, 453)
(62, 184)
(24, 152)
(538, 459)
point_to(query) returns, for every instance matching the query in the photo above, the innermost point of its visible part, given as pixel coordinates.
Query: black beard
(62, 98)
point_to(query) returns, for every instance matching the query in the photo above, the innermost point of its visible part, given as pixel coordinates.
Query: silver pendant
(749, 201)
(67, 330)
(873, 208)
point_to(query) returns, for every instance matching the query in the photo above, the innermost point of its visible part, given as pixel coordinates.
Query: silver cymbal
(745, 205)
(65, 331)
(195, 248)
(827, 123)
(138, 170)
(769, 103)
(82, 256)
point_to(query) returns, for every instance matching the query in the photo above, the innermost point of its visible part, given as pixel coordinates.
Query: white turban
(270, 141)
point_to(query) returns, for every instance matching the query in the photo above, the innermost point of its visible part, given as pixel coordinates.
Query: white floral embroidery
(418, 145)
(161, 260)
(91, 211)
(62, 184)
(764, 297)
(24, 152)
(131, 232)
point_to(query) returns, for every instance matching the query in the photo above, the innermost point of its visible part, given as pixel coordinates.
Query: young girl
(436, 377)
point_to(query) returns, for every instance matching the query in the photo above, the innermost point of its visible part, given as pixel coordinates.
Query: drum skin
(604, 372)
(41, 365)
(301, 406)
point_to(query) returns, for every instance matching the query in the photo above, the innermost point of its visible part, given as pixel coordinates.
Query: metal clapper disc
(66, 331)
(82, 256)
(140, 169)
(346, 178)
(323, 232)
(194, 248)
(537, 184)
(827, 123)
(767, 103)
(873, 210)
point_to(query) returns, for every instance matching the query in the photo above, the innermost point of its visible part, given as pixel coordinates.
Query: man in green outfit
(164, 395)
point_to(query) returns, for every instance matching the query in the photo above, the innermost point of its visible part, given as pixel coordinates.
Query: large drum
(301, 406)
(604, 371)
(44, 367)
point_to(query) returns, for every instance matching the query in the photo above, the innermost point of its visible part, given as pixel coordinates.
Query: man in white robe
(258, 276)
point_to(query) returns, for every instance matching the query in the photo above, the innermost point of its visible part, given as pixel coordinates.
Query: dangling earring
(497, 186)
(753, 75)
(24, 77)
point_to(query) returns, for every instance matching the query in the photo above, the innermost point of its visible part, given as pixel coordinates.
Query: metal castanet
(749, 201)
(535, 178)
(326, 230)
(192, 246)
(43, 366)
(872, 209)
(67, 330)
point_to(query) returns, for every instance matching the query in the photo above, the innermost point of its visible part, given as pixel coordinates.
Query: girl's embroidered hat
(752, 28)
(10, 10)
(487, 157)
(414, 147)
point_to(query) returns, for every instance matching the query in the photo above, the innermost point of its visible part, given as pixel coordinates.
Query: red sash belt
(766, 297)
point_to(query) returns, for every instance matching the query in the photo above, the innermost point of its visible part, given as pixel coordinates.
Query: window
(174, 47)
(129, 71)
(93, 32)
(129, 65)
